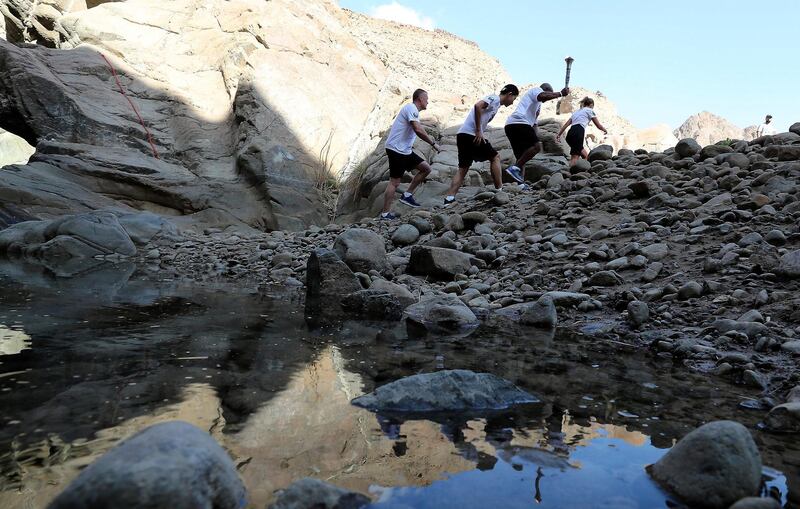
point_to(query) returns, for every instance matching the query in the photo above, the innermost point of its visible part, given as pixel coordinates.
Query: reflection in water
(13, 341)
(105, 363)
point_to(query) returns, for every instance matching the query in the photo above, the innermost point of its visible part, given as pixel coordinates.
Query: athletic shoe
(388, 216)
(449, 201)
(410, 201)
(523, 187)
(515, 173)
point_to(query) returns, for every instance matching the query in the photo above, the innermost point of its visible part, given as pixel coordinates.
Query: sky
(658, 61)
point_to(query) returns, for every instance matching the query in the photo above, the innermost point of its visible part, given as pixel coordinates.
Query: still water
(87, 361)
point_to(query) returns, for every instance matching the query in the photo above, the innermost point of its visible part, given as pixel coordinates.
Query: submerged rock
(314, 494)
(445, 391)
(173, 465)
(541, 313)
(711, 467)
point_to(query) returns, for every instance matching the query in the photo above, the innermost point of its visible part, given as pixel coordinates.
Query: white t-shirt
(527, 109)
(582, 117)
(401, 135)
(765, 129)
(468, 127)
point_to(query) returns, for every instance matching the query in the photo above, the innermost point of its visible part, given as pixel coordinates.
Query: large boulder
(315, 494)
(438, 262)
(373, 303)
(687, 147)
(601, 153)
(711, 467)
(734, 159)
(442, 313)
(795, 128)
(361, 249)
(714, 151)
(783, 152)
(445, 391)
(404, 296)
(173, 465)
(328, 281)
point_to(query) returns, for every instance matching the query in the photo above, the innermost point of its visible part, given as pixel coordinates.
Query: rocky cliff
(708, 128)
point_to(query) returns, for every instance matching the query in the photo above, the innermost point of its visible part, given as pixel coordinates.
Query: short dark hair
(418, 92)
(547, 87)
(509, 89)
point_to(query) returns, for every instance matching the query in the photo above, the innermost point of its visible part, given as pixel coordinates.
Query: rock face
(445, 391)
(707, 129)
(314, 494)
(711, 467)
(169, 465)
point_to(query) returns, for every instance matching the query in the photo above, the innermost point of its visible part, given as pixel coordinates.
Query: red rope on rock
(122, 91)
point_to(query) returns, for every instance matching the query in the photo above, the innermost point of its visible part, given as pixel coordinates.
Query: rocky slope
(707, 128)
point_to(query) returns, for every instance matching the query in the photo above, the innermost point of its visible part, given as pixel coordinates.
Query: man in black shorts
(402, 158)
(521, 127)
(472, 146)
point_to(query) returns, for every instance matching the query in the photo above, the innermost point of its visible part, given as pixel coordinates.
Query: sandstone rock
(708, 128)
(168, 465)
(442, 313)
(361, 249)
(687, 147)
(404, 235)
(713, 466)
(438, 262)
(315, 494)
(445, 391)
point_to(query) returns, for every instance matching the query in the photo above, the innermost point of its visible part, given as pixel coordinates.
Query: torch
(569, 61)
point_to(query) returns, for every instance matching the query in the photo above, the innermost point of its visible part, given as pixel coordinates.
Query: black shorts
(575, 139)
(522, 137)
(401, 163)
(468, 151)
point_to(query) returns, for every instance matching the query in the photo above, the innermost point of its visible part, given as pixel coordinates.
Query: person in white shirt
(472, 146)
(402, 158)
(765, 128)
(521, 127)
(579, 122)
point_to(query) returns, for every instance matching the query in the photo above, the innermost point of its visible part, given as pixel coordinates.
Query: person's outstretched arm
(424, 135)
(599, 125)
(546, 96)
(564, 128)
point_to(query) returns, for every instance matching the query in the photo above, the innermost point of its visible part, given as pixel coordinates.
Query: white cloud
(402, 14)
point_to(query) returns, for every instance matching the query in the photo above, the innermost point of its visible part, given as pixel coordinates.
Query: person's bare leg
(458, 181)
(388, 195)
(495, 169)
(585, 154)
(574, 159)
(424, 169)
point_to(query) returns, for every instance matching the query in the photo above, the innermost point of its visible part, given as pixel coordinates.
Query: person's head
(768, 119)
(547, 87)
(587, 102)
(508, 94)
(420, 98)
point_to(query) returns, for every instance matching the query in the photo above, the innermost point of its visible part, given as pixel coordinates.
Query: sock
(406, 194)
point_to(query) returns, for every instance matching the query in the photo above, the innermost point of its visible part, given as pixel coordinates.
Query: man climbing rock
(521, 127)
(472, 146)
(402, 158)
